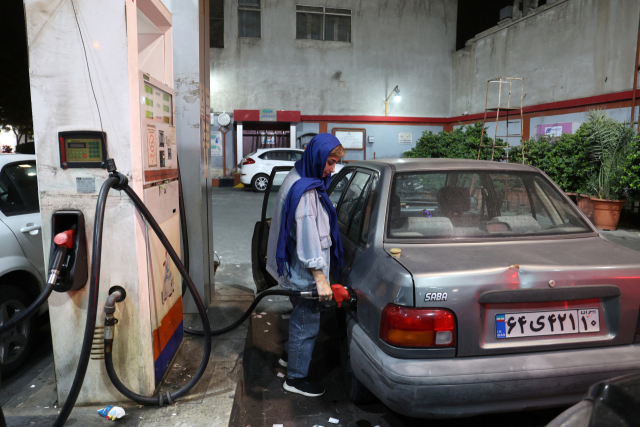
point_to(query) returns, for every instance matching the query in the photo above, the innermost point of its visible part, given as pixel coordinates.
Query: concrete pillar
(292, 135)
(239, 142)
(66, 97)
(191, 74)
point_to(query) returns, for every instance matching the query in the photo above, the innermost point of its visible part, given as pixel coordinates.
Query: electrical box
(158, 131)
(82, 149)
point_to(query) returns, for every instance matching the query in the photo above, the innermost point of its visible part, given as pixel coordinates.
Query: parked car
(22, 270)
(481, 288)
(256, 167)
(613, 403)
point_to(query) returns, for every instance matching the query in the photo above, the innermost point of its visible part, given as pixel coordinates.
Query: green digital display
(83, 150)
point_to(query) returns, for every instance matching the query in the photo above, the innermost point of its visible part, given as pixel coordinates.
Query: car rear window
(19, 189)
(478, 204)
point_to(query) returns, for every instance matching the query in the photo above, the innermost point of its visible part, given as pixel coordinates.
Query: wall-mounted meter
(82, 149)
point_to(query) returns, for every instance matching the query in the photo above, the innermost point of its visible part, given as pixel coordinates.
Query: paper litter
(333, 420)
(280, 375)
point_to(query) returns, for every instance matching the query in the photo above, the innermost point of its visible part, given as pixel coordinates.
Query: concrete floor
(240, 386)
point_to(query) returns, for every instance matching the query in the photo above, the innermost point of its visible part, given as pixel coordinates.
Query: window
(19, 189)
(249, 18)
(338, 189)
(350, 200)
(295, 156)
(478, 204)
(323, 23)
(216, 23)
(371, 201)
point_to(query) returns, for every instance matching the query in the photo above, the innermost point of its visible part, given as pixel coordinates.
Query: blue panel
(162, 362)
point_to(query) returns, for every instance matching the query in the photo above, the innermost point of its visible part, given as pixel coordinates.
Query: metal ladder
(509, 83)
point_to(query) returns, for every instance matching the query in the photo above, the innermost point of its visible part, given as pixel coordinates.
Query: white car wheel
(260, 182)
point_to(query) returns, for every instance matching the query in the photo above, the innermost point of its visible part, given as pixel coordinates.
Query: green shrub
(566, 159)
(630, 178)
(461, 143)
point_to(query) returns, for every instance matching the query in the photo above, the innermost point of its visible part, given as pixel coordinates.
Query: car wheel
(260, 182)
(357, 392)
(15, 344)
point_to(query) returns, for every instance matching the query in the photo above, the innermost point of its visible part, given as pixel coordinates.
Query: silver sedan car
(481, 288)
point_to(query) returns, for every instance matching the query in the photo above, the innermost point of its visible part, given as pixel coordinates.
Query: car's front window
(19, 189)
(478, 204)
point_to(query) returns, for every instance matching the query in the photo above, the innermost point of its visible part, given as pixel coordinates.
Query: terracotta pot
(586, 206)
(606, 213)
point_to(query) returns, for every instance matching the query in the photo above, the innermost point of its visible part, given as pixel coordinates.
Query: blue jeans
(304, 325)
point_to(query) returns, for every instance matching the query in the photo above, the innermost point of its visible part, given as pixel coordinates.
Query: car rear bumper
(460, 387)
(245, 178)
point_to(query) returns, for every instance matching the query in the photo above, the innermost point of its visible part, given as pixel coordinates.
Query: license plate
(557, 322)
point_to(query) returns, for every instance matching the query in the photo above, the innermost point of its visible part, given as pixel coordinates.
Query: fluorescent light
(31, 174)
(25, 166)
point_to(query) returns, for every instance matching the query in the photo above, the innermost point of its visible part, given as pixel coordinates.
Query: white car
(256, 167)
(22, 269)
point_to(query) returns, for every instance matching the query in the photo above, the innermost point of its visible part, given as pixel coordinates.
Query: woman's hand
(324, 290)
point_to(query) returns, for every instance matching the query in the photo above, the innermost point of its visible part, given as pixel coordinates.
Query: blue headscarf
(311, 167)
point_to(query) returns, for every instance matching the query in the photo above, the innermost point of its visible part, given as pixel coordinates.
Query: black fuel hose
(183, 228)
(268, 292)
(92, 304)
(29, 311)
(54, 270)
(108, 360)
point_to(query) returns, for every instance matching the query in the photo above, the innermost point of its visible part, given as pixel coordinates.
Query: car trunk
(560, 294)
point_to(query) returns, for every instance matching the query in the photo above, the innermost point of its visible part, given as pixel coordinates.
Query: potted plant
(610, 141)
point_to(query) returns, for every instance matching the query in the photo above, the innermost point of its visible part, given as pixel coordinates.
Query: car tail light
(417, 327)
(248, 161)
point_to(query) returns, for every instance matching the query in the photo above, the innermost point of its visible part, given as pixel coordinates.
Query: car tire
(259, 182)
(357, 392)
(16, 344)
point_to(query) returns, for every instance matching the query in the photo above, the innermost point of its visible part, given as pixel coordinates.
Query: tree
(15, 96)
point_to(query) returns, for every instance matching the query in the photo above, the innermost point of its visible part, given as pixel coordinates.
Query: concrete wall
(564, 50)
(385, 144)
(405, 43)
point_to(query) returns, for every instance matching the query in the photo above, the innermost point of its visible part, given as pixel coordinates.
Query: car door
(354, 211)
(20, 209)
(261, 276)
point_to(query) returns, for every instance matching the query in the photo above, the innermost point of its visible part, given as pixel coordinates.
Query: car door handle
(30, 228)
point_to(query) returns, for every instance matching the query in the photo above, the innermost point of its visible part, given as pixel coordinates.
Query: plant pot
(586, 206)
(573, 197)
(606, 213)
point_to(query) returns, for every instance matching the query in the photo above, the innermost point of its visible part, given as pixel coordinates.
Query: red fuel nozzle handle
(64, 239)
(340, 293)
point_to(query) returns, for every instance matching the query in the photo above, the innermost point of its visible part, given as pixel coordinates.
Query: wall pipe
(635, 80)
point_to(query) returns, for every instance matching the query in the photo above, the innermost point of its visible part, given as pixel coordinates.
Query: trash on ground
(266, 330)
(269, 323)
(112, 412)
(270, 300)
(258, 316)
(278, 425)
(333, 420)
(280, 375)
(33, 386)
(263, 313)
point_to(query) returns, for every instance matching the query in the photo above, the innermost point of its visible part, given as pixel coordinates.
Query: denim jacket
(310, 234)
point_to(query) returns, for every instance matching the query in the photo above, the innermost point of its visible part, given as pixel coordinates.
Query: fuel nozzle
(343, 294)
(63, 242)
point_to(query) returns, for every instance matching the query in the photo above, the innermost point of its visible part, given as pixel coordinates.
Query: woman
(304, 245)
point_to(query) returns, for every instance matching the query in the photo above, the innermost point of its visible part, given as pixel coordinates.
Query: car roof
(422, 164)
(262, 150)
(6, 158)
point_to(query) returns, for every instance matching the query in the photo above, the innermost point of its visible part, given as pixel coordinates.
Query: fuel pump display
(82, 149)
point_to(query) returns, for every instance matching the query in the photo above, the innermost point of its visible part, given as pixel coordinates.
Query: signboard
(268, 115)
(216, 144)
(351, 139)
(554, 129)
(405, 138)
(269, 139)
